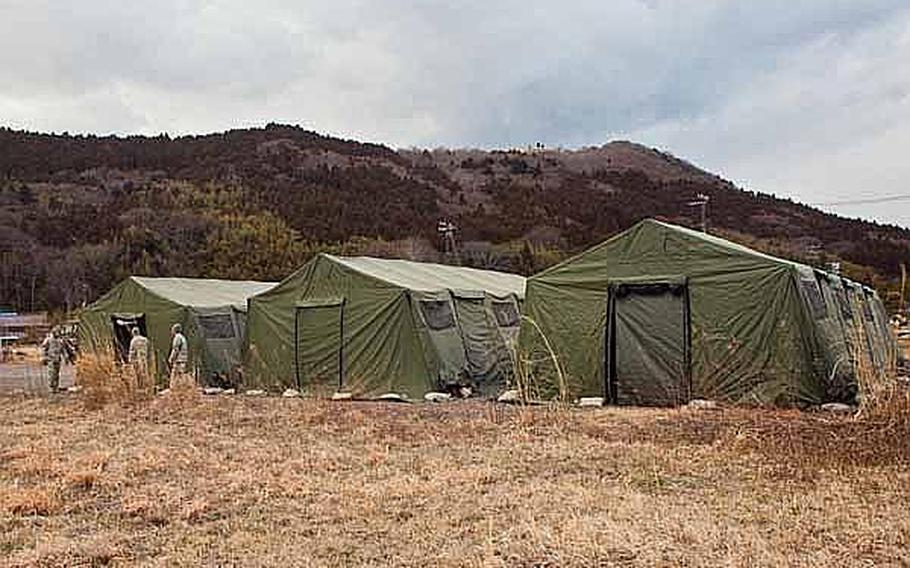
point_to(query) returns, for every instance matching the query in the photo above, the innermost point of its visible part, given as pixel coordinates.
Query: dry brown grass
(268, 482)
(105, 381)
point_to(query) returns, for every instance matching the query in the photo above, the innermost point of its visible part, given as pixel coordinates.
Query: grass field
(268, 482)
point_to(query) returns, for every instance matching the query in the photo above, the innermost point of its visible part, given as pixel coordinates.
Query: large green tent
(660, 314)
(373, 326)
(212, 313)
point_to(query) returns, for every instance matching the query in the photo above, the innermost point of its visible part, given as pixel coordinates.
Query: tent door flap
(319, 340)
(481, 340)
(122, 326)
(222, 342)
(647, 351)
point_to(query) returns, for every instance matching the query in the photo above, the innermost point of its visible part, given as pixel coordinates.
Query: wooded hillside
(78, 213)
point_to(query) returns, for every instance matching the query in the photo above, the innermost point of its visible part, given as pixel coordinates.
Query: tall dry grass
(883, 399)
(533, 375)
(104, 380)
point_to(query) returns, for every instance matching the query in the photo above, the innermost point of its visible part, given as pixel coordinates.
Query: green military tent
(212, 313)
(660, 314)
(373, 326)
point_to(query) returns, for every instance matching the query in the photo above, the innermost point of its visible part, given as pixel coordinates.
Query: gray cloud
(807, 98)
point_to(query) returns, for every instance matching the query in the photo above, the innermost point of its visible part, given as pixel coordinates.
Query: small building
(661, 314)
(211, 312)
(371, 326)
(28, 327)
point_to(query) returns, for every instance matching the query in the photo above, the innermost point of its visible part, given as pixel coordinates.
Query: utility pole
(701, 200)
(903, 287)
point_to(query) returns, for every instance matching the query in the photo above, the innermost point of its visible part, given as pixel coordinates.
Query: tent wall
(395, 339)
(753, 339)
(381, 350)
(438, 328)
(836, 331)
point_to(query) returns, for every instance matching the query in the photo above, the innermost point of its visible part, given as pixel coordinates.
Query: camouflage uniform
(52, 352)
(179, 355)
(138, 357)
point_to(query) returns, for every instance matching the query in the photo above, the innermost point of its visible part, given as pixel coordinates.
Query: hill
(78, 213)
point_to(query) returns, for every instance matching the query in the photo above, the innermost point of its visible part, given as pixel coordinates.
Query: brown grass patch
(264, 482)
(106, 381)
(28, 501)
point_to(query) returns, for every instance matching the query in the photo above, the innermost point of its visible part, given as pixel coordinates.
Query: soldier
(179, 352)
(139, 356)
(53, 350)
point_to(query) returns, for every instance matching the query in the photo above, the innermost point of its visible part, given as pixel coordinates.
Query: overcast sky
(801, 98)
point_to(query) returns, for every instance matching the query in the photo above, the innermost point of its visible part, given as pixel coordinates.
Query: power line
(865, 201)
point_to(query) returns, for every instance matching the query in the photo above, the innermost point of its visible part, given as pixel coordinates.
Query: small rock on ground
(290, 393)
(255, 392)
(590, 401)
(702, 404)
(393, 397)
(837, 408)
(509, 396)
(212, 390)
(437, 397)
(342, 396)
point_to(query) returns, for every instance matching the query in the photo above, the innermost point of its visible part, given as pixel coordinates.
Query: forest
(78, 213)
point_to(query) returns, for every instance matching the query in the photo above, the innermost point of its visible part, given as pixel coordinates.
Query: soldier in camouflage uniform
(179, 353)
(138, 357)
(53, 351)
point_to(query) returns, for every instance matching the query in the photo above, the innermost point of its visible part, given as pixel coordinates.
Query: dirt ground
(21, 372)
(245, 481)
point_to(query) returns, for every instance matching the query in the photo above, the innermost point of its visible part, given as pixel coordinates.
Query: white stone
(465, 392)
(393, 397)
(212, 390)
(837, 408)
(702, 404)
(291, 393)
(230, 391)
(342, 396)
(164, 392)
(437, 397)
(509, 396)
(590, 401)
(255, 392)
(74, 388)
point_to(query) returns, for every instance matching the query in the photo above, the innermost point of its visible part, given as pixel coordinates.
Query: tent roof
(430, 277)
(203, 293)
(650, 225)
(720, 242)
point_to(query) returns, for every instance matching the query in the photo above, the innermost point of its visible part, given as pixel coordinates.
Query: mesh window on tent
(219, 326)
(506, 314)
(437, 314)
